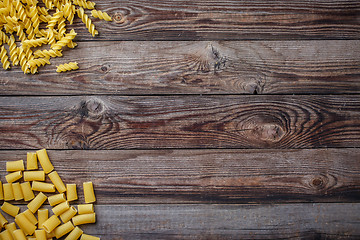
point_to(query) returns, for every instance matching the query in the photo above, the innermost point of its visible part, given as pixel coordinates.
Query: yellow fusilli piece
(65, 40)
(34, 42)
(84, 4)
(47, 53)
(13, 51)
(87, 21)
(37, 62)
(101, 15)
(4, 58)
(67, 67)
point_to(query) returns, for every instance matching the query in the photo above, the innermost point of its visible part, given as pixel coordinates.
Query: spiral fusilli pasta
(67, 67)
(38, 62)
(13, 51)
(84, 4)
(64, 41)
(89, 25)
(4, 58)
(34, 42)
(47, 53)
(101, 15)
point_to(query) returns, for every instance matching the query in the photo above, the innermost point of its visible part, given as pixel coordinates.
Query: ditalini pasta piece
(56, 199)
(30, 216)
(40, 235)
(44, 160)
(18, 194)
(50, 235)
(43, 215)
(68, 214)
(26, 190)
(71, 192)
(56, 180)
(85, 208)
(51, 223)
(1, 191)
(36, 203)
(31, 161)
(8, 192)
(6, 235)
(75, 234)
(25, 224)
(12, 177)
(13, 166)
(88, 237)
(63, 229)
(89, 192)
(19, 234)
(3, 220)
(61, 208)
(83, 219)
(34, 176)
(42, 187)
(10, 209)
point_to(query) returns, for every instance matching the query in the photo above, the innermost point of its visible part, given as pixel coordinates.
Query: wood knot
(119, 18)
(92, 108)
(317, 182)
(104, 69)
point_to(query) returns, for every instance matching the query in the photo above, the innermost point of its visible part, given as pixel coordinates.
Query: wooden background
(203, 119)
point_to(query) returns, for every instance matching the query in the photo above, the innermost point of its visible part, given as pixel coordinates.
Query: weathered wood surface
(263, 67)
(224, 221)
(287, 221)
(230, 20)
(144, 122)
(209, 176)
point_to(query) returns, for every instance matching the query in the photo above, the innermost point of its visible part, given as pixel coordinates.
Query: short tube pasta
(14, 166)
(11, 227)
(88, 237)
(56, 199)
(84, 218)
(34, 176)
(30, 216)
(44, 160)
(3, 220)
(68, 214)
(1, 191)
(27, 191)
(61, 208)
(63, 229)
(31, 161)
(18, 194)
(43, 215)
(71, 192)
(25, 224)
(85, 208)
(12, 177)
(5, 235)
(19, 234)
(36, 203)
(40, 235)
(10, 209)
(56, 180)
(8, 192)
(51, 223)
(89, 192)
(42, 187)
(75, 234)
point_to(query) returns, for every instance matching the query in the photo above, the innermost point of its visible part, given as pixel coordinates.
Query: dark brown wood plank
(227, 20)
(219, 221)
(289, 221)
(209, 176)
(127, 122)
(266, 67)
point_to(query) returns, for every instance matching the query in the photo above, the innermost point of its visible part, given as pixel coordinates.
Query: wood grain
(287, 221)
(226, 20)
(127, 122)
(262, 67)
(209, 176)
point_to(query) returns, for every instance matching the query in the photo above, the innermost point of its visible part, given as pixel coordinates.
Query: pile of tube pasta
(34, 223)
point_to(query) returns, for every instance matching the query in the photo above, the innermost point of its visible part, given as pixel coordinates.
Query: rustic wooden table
(203, 119)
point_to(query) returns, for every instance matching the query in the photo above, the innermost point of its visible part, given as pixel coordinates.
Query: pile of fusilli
(35, 24)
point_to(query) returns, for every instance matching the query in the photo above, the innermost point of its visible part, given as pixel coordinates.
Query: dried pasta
(67, 67)
(101, 15)
(43, 227)
(88, 237)
(35, 25)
